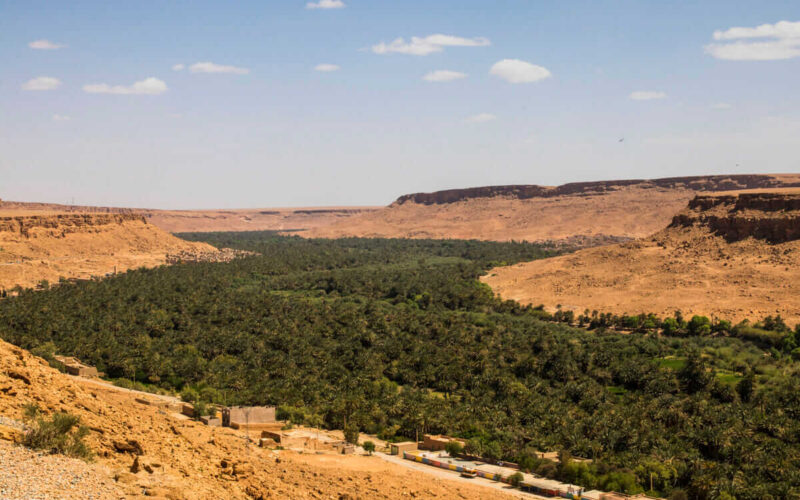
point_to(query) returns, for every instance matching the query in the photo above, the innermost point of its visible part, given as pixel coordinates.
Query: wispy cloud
(326, 4)
(45, 45)
(480, 118)
(647, 95)
(721, 105)
(766, 42)
(516, 71)
(443, 75)
(178, 67)
(60, 118)
(42, 83)
(148, 86)
(209, 67)
(422, 46)
(326, 68)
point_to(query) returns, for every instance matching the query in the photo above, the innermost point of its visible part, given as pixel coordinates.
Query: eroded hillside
(585, 213)
(142, 451)
(38, 245)
(277, 219)
(180, 221)
(732, 255)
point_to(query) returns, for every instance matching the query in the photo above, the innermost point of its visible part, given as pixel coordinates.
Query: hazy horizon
(342, 103)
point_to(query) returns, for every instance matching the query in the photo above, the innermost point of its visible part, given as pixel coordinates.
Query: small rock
(131, 446)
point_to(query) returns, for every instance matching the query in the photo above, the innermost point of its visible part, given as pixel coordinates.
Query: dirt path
(109, 385)
(454, 476)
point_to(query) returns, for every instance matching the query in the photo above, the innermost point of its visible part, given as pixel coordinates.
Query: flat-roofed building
(249, 417)
(399, 448)
(439, 442)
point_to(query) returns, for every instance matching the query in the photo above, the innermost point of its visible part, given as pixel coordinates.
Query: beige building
(75, 367)
(438, 442)
(399, 448)
(249, 417)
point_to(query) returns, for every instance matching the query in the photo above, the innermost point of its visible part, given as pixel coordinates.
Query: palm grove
(398, 337)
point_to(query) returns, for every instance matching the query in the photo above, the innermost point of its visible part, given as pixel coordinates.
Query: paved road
(454, 476)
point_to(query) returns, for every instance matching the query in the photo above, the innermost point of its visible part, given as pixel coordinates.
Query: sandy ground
(680, 268)
(454, 476)
(627, 213)
(89, 247)
(273, 219)
(192, 461)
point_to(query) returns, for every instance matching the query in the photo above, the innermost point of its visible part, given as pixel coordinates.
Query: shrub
(453, 448)
(202, 409)
(351, 433)
(515, 479)
(369, 447)
(61, 434)
(678, 495)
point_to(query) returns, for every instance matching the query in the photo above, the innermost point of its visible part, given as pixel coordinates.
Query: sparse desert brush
(61, 433)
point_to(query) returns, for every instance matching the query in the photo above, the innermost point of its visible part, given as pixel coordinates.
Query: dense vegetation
(398, 337)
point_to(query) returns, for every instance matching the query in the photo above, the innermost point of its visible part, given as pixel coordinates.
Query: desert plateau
(357, 250)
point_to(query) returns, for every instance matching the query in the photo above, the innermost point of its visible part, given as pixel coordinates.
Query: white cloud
(60, 118)
(422, 46)
(148, 86)
(516, 71)
(443, 75)
(767, 42)
(45, 45)
(781, 29)
(42, 83)
(647, 95)
(178, 67)
(721, 105)
(326, 4)
(480, 118)
(209, 67)
(326, 68)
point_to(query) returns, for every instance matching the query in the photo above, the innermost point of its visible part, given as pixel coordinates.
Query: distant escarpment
(280, 219)
(524, 192)
(774, 217)
(578, 214)
(731, 255)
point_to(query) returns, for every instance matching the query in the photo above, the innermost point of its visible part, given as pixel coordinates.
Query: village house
(73, 366)
(249, 417)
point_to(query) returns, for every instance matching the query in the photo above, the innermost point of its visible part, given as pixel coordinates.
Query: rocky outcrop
(699, 183)
(774, 217)
(23, 224)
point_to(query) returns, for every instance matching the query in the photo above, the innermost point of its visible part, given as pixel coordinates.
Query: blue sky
(249, 121)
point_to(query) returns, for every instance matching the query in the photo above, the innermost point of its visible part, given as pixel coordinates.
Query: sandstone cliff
(698, 183)
(774, 217)
(39, 245)
(583, 213)
(732, 255)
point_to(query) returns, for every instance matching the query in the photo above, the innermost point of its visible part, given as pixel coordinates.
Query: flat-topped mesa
(711, 183)
(770, 216)
(22, 224)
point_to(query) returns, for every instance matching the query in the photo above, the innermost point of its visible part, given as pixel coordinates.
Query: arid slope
(179, 221)
(732, 255)
(580, 213)
(188, 460)
(40, 245)
(272, 219)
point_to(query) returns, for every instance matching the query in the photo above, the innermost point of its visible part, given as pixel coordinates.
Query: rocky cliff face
(774, 217)
(700, 183)
(37, 245)
(66, 223)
